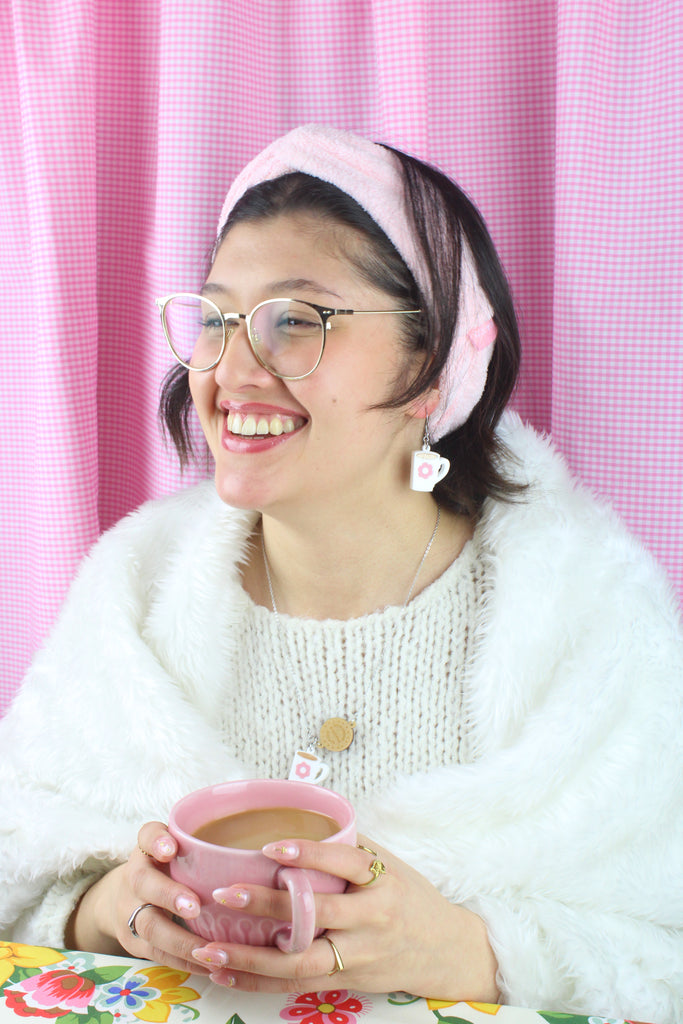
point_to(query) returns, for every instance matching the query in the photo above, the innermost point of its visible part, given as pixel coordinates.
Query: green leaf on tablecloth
(235, 1019)
(562, 1018)
(100, 974)
(402, 999)
(22, 973)
(447, 1020)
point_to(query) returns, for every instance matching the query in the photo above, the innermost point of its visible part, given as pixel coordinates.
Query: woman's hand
(100, 921)
(396, 934)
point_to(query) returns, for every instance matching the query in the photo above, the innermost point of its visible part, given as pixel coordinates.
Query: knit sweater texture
(399, 674)
(549, 801)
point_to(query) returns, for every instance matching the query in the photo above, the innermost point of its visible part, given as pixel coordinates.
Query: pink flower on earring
(303, 770)
(425, 469)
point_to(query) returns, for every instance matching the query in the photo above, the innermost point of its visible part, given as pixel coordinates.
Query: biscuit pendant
(336, 734)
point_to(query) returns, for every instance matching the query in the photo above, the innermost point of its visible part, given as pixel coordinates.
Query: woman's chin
(240, 490)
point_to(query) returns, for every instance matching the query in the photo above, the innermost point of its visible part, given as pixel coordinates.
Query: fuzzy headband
(371, 175)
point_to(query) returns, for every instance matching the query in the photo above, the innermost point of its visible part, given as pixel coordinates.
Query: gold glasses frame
(230, 322)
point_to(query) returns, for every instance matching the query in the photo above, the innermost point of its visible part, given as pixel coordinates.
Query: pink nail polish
(164, 846)
(231, 896)
(281, 851)
(186, 906)
(221, 978)
(210, 957)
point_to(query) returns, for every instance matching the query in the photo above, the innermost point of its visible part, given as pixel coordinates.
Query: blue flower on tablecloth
(127, 993)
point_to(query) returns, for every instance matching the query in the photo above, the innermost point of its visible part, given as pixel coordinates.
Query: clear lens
(287, 336)
(194, 327)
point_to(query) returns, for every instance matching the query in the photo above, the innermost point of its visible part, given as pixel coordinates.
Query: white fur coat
(565, 833)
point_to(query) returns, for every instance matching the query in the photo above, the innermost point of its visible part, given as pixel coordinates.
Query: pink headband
(371, 175)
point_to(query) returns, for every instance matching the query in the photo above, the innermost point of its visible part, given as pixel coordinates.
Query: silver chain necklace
(337, 733)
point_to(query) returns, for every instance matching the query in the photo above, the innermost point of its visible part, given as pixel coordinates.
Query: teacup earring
(427, 467)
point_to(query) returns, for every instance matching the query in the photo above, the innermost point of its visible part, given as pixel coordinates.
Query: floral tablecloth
(41, 984)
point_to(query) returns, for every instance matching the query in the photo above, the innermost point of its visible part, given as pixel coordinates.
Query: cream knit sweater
(298, 672)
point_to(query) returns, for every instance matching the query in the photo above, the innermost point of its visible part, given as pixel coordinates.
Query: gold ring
(338, 962)
(144, 853)
(376, 869)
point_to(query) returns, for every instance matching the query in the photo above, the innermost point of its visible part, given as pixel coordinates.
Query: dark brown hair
(441, 215)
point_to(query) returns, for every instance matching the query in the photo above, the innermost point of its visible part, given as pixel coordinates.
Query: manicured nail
(186, 906)
(210, 957)
(284, 851)
(221, 978)
(164, 846)
(231, 897)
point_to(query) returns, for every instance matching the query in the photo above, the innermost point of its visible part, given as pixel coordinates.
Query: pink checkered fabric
(122, 125)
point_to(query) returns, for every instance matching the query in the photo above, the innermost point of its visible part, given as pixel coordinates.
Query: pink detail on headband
(372, 176)
(483, 336)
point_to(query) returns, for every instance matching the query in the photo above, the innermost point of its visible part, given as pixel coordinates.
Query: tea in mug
(252, 829)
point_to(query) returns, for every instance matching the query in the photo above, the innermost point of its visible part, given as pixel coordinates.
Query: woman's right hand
(99, 923)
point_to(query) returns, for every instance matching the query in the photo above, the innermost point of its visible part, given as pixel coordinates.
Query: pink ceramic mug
(203, 866)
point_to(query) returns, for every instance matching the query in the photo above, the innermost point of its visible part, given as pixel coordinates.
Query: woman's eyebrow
(279, 289)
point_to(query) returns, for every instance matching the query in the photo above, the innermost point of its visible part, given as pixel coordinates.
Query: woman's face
(323, 440)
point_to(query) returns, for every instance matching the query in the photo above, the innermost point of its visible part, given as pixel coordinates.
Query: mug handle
(298, 936)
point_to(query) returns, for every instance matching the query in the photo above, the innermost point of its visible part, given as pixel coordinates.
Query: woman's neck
(352, 565)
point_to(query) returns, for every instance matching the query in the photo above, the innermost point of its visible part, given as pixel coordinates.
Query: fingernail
(210, 957)
(186, 906)
(221, 978)
(231, 897)
(164, 846)
(281, 851)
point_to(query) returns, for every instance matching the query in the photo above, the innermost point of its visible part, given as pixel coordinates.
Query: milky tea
(252, 829)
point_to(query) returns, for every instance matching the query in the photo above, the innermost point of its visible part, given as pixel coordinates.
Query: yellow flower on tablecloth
(439, 1004)
(16, 954)
(169, 984)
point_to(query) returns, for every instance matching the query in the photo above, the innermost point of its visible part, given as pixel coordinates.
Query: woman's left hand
(396, 934)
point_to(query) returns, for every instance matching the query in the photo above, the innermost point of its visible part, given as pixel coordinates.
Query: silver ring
(131, 919)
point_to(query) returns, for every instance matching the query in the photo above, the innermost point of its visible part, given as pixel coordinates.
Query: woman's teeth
(251, 426)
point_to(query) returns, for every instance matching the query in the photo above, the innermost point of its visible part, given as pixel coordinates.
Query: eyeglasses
(287, 336)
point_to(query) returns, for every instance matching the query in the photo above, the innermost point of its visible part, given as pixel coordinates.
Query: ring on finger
(144, 853)
(338, 962)
(377, 867)
(131, 919)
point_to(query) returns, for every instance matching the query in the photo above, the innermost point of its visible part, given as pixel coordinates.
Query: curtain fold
(122, 125)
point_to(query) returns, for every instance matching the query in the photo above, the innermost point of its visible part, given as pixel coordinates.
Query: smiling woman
(468, 638)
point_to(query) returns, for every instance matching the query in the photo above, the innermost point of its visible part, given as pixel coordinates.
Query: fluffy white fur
(565, 833)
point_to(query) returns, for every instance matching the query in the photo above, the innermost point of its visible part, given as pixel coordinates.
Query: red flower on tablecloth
(336, 1006)
(51, 994)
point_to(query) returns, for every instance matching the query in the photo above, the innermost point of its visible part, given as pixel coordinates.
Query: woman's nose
(238, 365)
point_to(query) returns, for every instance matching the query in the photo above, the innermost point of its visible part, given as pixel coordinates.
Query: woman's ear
(424, 405)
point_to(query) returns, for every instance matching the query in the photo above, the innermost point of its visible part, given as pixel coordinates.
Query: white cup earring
(428, 467)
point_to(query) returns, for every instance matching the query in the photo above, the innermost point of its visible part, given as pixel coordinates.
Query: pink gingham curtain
(123, 122)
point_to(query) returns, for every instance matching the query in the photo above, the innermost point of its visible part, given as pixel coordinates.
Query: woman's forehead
(294, 250)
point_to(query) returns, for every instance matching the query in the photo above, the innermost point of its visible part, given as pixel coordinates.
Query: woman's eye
(297, 323)
(212, 323)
